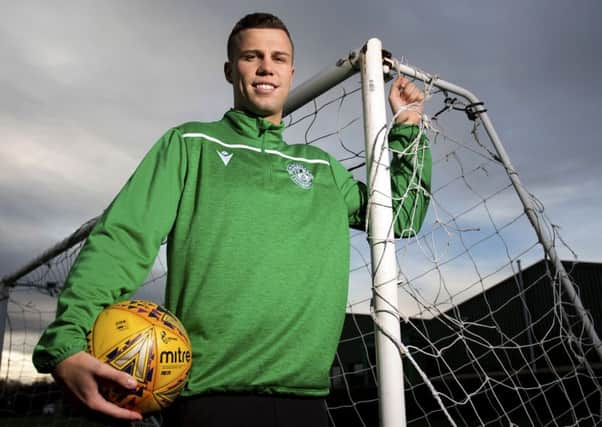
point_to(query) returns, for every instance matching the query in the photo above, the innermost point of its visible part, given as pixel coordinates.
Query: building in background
(504, 339)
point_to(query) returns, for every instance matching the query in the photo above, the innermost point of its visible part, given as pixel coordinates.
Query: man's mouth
(264, 87)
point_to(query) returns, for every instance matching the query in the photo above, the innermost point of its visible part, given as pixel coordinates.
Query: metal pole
(526, 315)
(544, 239)
(321, 82)
(381, 240)
(523, 195)
(4, 296)
(76, 237)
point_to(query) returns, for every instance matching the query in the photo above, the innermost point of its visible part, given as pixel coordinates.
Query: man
(257, 247)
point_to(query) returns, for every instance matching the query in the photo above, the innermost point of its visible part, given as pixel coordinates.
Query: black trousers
(246, 410)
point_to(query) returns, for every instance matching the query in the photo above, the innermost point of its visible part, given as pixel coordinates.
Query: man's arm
(112, 264)
(410, 166)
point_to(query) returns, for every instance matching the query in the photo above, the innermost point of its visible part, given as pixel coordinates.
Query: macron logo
(225, 156)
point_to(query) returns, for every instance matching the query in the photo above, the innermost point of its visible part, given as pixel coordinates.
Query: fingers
(94, 400)
(407, 90)
(98, 403)
(86, 390)
(107, 372)
(80, 373)
(403, 93)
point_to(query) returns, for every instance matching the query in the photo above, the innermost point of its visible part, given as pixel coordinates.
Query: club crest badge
(300, 175)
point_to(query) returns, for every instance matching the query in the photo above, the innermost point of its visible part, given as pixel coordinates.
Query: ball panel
(170, 392)
(113, 326)
(134, 355)
(174, 357)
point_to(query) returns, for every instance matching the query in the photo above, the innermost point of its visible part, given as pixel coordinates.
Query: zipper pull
(263, 126)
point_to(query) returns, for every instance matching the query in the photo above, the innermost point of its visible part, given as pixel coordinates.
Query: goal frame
(367, 60)
(376, 67)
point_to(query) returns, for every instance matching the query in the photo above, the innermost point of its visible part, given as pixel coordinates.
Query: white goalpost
(475, 320)
(381, 238)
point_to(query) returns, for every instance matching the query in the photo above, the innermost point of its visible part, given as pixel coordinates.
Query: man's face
(261, 72)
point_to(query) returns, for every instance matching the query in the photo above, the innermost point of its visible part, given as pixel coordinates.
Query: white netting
(488, 337)
(485, 341)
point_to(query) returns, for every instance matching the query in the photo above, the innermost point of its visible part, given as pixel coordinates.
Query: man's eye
(248, 57)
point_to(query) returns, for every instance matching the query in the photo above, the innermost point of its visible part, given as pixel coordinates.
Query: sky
(87, 87)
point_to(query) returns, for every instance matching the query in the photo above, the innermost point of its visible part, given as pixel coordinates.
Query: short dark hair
(256, 20)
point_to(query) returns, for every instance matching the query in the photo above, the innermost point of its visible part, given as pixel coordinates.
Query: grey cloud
(97, 83)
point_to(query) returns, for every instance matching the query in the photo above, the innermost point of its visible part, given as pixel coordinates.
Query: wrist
(408, 118)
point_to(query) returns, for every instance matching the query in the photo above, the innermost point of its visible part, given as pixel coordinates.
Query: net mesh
(489, 336)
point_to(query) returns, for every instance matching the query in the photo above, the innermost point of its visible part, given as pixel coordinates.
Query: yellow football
(148, 342)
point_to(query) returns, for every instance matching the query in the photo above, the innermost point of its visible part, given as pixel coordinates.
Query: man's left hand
(403, 93)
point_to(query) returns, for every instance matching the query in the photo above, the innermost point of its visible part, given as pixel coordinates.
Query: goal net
(490, 332)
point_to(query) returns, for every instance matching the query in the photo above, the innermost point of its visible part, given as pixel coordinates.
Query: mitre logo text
(175, 356)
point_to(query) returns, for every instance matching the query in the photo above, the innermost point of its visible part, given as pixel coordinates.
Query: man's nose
(265, 67)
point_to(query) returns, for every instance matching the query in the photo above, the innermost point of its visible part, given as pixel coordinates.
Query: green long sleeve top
(257, 250)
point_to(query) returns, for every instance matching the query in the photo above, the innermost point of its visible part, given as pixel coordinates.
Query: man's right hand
(80, 373)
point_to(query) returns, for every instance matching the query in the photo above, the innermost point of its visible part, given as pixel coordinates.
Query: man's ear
(228, 71)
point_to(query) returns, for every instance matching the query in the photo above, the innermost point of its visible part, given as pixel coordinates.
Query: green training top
(257, 250)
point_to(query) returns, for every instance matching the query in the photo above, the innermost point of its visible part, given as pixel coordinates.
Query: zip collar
(253, 126)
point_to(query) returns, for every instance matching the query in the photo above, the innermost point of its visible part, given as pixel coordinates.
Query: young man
(257, 246)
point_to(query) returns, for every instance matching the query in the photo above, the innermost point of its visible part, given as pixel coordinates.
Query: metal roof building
(518, 343)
